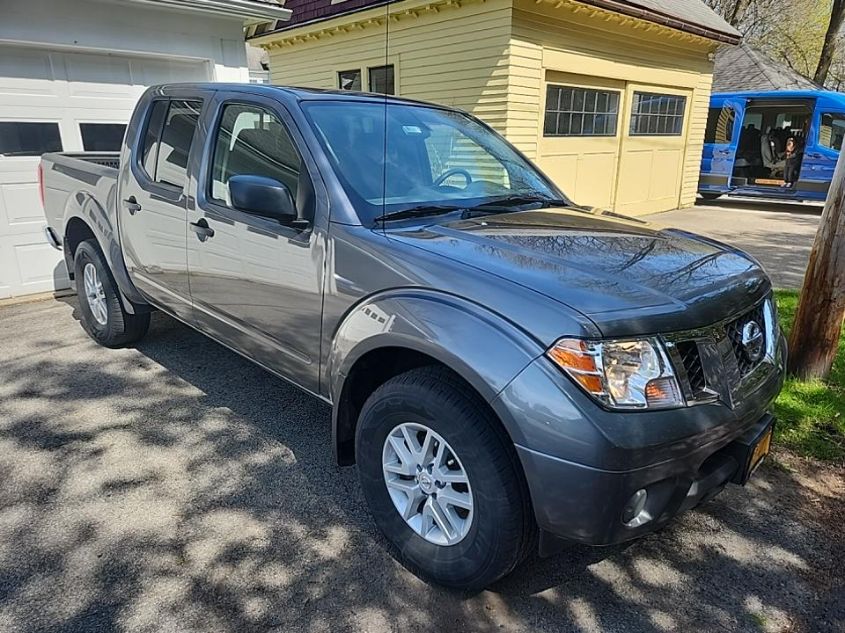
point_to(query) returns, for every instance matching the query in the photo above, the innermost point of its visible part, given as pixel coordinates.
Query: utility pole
(814, 340)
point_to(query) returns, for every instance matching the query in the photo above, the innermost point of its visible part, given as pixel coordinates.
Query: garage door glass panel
(27, 138)
(176, 138)
(102, 137)
(657, 114)
(572, 111)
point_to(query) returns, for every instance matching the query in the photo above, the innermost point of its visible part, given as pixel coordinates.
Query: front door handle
(132, 205)
(201, 228)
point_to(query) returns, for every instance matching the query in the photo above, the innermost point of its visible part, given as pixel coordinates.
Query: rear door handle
(201, 228)
(132, 205)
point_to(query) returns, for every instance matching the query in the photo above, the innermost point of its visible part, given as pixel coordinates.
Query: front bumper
(587, 504)
(583, 463)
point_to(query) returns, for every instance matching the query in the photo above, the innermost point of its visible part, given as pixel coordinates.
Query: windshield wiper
(507, 203)
(418, 212)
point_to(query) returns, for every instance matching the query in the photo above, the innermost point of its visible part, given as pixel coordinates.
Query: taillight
(41, 184)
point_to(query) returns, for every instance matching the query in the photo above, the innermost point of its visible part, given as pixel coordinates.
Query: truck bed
(90, 174)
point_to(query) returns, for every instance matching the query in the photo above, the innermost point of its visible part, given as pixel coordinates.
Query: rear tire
(710, 196)
(103, 315)
(491, 538)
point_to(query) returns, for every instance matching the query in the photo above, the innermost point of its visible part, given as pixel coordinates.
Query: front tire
(103, 315)
(441, 480)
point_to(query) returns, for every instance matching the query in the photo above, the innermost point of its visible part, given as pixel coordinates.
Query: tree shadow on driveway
(176, 486)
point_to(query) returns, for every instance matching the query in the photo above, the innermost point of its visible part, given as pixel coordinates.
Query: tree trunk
(818, 322)
(736, 12)
(837, 14)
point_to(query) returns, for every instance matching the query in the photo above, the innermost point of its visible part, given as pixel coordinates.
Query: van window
(175, 144)
(251, 140)
(832, 130)
(720, 125)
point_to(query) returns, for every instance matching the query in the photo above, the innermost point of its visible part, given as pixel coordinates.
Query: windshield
(431, 157)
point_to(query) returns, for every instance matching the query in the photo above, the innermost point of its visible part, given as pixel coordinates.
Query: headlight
(633, 374)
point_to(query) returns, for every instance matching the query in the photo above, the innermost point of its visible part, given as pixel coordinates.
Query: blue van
(779, 144)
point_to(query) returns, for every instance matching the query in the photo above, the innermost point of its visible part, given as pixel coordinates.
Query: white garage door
(49, 101)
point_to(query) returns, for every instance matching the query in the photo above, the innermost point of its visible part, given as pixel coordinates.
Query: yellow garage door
(651, 160)
(614, 144)
(579, 142)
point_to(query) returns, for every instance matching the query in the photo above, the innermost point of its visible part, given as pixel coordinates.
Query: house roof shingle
(742, 67)
(687, 15)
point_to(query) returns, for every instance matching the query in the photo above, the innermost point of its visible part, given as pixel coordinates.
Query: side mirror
(262, 196)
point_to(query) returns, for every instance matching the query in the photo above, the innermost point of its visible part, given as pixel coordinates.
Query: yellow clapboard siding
(494, 58)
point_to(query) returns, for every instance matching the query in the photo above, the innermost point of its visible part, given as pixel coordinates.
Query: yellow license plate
(761, 450)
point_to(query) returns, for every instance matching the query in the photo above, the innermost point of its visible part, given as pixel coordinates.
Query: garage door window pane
(176, 138)
(657, 114)
(574, 111)
(19, 138)
(102, 137)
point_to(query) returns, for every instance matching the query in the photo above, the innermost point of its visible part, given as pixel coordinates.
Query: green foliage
(811, 415)
(790, 32)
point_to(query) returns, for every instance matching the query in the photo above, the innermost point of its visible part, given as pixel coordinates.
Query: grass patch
(811, 415)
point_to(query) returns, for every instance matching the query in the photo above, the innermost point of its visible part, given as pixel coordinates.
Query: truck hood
(628, 277)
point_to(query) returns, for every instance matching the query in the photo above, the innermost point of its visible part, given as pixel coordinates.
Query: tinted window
(832, 130)
(175, 145)
(102, 137)
(251, 140)
(149, 151)
(580, 112)
(657, 114)
(381, 79)
(18, 138)
(349, 80)
(720, 125)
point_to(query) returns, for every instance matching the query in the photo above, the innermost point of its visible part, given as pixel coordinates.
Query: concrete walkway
(778, 234)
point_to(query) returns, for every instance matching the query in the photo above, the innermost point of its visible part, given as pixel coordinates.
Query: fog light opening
(634, 513)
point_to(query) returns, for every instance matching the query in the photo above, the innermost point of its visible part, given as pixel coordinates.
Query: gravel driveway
(176, 487)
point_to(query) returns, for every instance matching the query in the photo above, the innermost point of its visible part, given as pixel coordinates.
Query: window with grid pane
(572, 111)
(657, 114)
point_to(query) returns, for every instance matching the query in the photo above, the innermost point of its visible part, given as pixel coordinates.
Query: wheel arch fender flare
(83, 207)
(485, 349)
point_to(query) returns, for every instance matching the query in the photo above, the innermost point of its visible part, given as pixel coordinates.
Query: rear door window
(149, 151)
(175, 145)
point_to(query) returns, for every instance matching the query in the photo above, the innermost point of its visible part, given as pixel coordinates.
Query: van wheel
(441, 482)
(710, 196)
(103, 316)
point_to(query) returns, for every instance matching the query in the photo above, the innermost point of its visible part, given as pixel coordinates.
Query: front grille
(746, 362)
(691, 359)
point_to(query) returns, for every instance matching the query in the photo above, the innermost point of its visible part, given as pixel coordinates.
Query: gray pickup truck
(508, 371)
